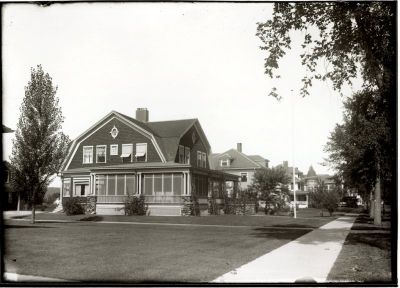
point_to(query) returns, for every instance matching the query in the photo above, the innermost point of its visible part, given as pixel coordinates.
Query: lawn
(366, 253)
(95, 251)
(308, 218)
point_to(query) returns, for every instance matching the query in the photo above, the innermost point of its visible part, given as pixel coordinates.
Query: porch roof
(134, 166)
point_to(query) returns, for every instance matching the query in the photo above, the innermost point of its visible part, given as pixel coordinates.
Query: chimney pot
(142, 115)
(239, 147)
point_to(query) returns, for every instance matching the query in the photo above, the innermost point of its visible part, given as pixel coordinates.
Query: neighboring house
(120, 156)
(234, 161)
(302, 199)
(9, 198)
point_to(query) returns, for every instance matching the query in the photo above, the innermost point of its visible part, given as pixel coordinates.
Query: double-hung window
(181, 153)
(141, 152)
(187, 155)
(204, 159)
(101, 153)
(199, 162)
(87, 154)
(243, 177)
(127, 150)
(114, 149)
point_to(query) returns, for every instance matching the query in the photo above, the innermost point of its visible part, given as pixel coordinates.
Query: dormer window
(141, 152)
(225, 163)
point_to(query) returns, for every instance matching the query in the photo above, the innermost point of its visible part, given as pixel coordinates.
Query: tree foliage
(325, 199)
(353, 38)
(39, 146)
(270, 184)
(359, 148)
(347, 35)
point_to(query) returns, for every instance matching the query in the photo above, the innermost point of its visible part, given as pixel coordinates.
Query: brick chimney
(285, 165)
(142, 115)
(239, 147)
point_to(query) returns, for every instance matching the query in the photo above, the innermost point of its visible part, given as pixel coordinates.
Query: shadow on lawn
(294, 226)
(25, 226)
(281, 234)
(92, 218)
(378, 240)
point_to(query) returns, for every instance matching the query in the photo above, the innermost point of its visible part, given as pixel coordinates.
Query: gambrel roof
(165, 135)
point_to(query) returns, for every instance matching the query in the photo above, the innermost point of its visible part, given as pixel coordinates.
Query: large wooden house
(120, 156)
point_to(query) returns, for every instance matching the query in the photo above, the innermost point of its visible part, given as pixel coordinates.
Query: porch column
(189, 177)
(71, 190)
(93, 183)
(139, 183)
(184, 184)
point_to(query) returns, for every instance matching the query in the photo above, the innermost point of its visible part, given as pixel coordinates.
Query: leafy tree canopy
(349, 35)
(267, 180)
(359, 148)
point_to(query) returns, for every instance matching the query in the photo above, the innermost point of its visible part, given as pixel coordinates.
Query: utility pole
(294, 179)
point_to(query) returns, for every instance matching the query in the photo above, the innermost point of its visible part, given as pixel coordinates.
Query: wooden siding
(186, 141)
(126, 135)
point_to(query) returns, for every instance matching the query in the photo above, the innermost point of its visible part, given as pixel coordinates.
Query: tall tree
(351, 37)
(39, 146)
(359, 147)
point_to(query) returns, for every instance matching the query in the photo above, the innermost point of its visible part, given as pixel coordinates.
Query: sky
(178, 60)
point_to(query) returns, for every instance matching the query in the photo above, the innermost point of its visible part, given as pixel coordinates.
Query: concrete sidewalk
(306, 259)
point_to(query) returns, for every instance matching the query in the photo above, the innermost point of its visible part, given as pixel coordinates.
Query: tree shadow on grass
(294, 226)
(378, 240)
(25, 226)
(92, 218)
(280, 234)
(369, 228)
(21, 217)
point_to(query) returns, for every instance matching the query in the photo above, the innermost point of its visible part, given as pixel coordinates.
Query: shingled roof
(167, 133)
(239, 160)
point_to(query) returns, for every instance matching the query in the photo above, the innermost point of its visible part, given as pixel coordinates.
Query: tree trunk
(33, 214)
(378, 200)
(371, 205)
(33, 205)
(19, 202)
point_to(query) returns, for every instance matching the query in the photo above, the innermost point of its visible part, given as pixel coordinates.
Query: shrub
(72, 206)
(135, 205)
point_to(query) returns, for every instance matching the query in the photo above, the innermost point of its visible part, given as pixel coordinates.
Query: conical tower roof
(311, 172)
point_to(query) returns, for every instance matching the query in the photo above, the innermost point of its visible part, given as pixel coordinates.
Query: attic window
(225, 163)
(184, 154)
(141, 152)
(126, 154)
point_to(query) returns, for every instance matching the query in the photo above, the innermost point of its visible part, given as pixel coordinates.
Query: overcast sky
(179, 60)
